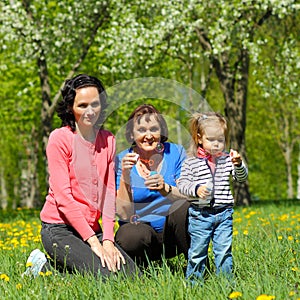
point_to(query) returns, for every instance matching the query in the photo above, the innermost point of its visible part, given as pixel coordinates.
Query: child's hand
(202, 192)
(235, 158)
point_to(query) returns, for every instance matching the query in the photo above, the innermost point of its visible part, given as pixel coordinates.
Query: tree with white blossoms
(54, 37)
(56, 34)
(278, 76)
(51, 40)
(224, 31)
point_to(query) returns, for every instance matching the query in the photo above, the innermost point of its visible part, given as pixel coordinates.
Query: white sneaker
(35, 263)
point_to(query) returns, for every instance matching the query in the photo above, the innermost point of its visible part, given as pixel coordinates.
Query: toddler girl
(205, 179)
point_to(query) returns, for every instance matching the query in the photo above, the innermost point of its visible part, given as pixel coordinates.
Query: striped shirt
(196, 172)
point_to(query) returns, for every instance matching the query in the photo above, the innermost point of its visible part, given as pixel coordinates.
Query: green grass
(266, 251)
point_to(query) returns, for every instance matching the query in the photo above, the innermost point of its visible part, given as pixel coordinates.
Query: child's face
(213, 139)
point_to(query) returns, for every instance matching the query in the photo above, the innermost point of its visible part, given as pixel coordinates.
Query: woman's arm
(124, 201)
(172, 192)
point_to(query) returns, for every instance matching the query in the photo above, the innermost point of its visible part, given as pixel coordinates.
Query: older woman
(153, 214)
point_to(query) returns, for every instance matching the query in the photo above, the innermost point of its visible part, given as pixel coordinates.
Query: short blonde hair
(198, 122)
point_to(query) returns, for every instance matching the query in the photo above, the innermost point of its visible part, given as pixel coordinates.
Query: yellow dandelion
(279, 237)
(245, 232)
(29, 264)
(235, 295)
(283, 217)
(265, 297)
(235, 232)
(4, 277)
(48, 273)
(290, 238)
(292, 293)
(18, 286)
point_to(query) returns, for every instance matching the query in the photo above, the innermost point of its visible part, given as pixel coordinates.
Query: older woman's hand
(155, 182)
(128, 161)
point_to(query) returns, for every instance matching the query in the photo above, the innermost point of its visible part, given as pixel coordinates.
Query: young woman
(81, 158)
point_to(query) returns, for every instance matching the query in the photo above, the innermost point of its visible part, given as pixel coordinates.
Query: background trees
(241, 56)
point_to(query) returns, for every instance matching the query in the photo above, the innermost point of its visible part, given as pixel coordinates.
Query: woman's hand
(128, 161)
(110, 256)
(155, 182)
(98, 249)
(114, 253)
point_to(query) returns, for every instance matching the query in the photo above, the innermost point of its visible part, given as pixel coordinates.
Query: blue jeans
(207, 224)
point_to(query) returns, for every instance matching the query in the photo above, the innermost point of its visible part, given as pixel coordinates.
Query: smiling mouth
(149, 142)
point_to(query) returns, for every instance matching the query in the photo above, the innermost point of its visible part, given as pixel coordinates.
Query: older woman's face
(146, 133)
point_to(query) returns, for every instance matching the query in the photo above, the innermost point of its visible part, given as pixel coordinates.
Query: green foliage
(141, 39)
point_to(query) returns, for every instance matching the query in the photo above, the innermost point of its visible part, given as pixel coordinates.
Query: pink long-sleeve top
(81, 182)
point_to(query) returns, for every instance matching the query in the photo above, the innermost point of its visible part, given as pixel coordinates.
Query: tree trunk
(288, 161)
(29, 181)
(4, 194)
(298, 179)
(46, 113)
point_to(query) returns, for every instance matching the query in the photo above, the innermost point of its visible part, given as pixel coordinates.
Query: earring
(160, 147)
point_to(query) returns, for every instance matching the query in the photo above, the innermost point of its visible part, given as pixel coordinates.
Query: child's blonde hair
(198, 122)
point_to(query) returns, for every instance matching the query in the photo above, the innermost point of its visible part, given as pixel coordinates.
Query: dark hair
(148, 110)
(68, 92)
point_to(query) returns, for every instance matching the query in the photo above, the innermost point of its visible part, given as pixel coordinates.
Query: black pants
(143, 243)
(69, 252)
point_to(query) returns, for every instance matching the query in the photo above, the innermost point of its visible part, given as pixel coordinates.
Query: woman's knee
(132, 237)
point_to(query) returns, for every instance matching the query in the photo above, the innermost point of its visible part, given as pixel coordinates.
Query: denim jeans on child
(207, 224)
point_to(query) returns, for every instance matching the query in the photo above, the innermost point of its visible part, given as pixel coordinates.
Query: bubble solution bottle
(152, 173)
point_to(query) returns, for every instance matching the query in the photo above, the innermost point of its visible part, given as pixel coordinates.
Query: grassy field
(266, 252)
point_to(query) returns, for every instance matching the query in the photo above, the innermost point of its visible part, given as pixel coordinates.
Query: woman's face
(87, 106)
(146, 133)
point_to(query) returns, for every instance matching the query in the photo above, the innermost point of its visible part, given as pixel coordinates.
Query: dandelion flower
(4, 277)
(18, 286)
(235, 295)
(265, 297)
